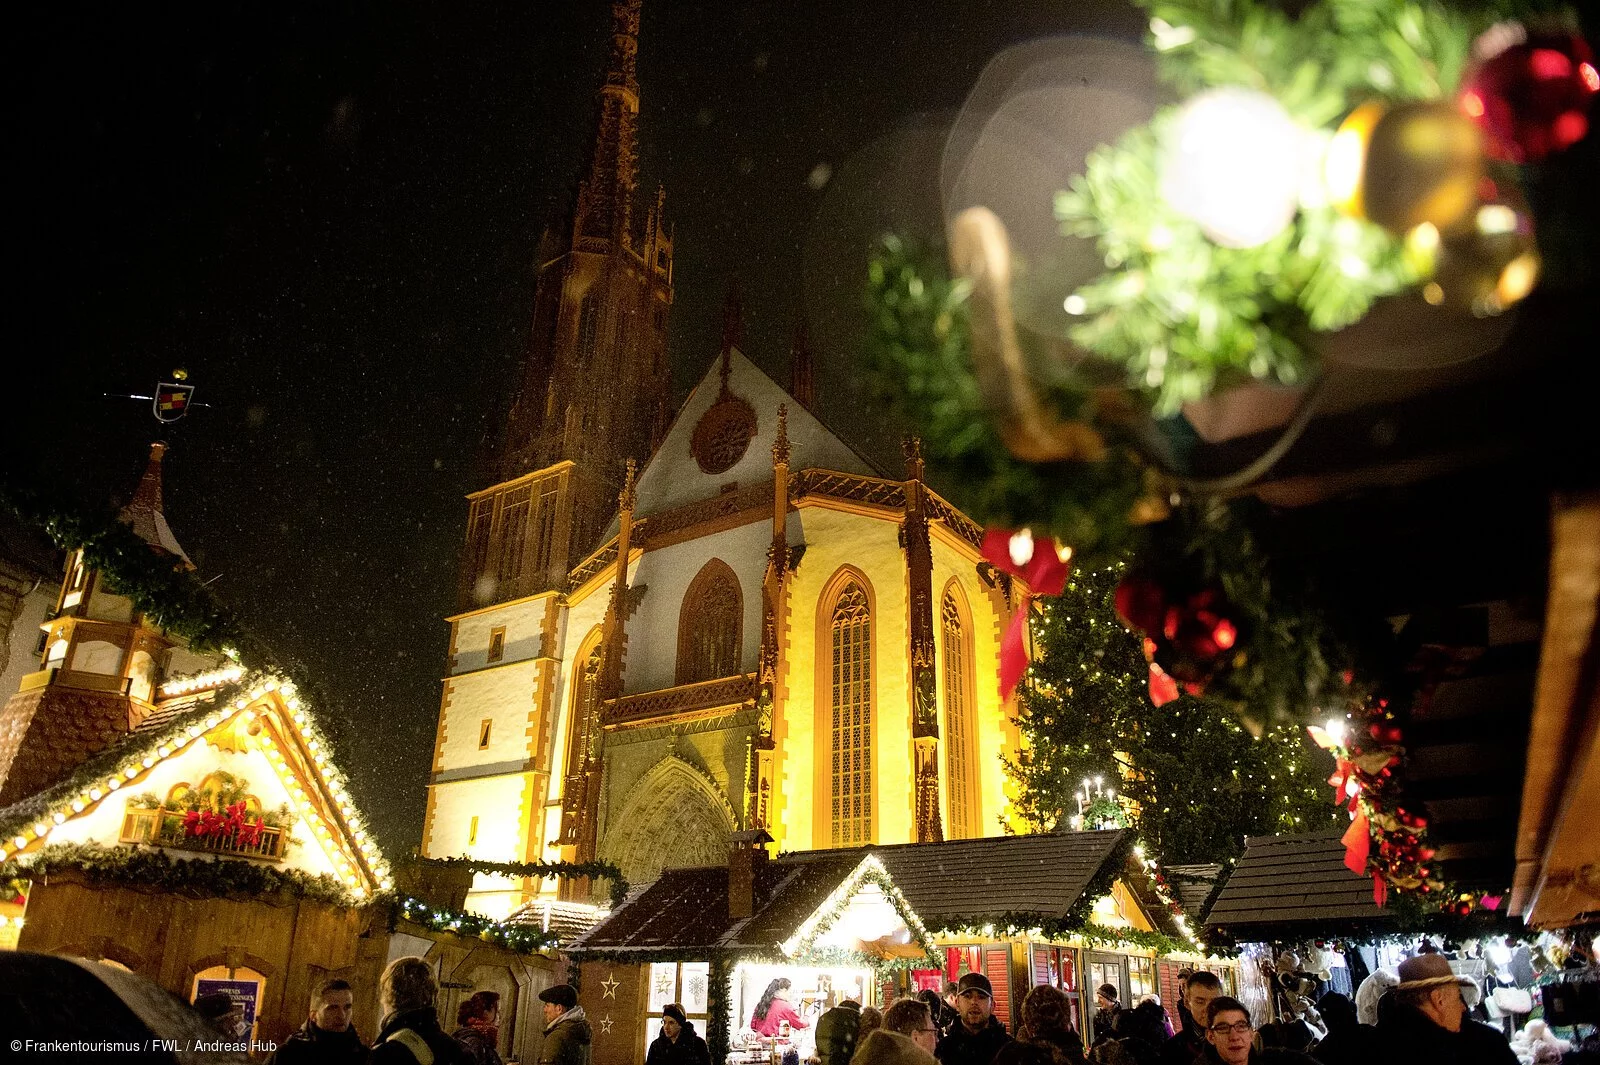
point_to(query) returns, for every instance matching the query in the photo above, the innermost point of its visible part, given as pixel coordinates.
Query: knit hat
(1107, 990)
(975, 982)
(675, 1011)
(1428, 970)
(563, 995)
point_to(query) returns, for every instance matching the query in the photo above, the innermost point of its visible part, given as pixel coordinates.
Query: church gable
(241, 772)
(723, 435)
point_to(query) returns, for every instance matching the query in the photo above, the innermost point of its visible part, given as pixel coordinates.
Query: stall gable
(158, 785)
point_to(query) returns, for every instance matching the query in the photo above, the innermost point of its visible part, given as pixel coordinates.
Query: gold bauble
(1484, 271)
(1407, 164)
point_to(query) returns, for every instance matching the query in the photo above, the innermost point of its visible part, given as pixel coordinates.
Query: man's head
(1431, 987)
(332, 1006)
(1197, 996)
(1228, 1029)
(1105, 996)
(557, 1000)
(672, 1020)
(407, 984)
(482, 1008)
(1046, 1011)
(974, 1001)
(911, 1018)
(950, 988)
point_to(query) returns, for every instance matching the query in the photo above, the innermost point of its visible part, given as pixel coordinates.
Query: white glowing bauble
(1234, 163)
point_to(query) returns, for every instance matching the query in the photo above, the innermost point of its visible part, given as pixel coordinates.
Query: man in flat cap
(1428, 1021)
(567, 1035)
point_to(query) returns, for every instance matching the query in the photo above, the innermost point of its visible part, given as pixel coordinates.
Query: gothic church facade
(770, 634)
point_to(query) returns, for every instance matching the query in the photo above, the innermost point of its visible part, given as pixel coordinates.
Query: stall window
(687, 983)
(1057, 967)
(1141, 979)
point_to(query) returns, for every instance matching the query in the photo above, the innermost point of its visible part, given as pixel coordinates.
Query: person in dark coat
(943, 1016)
(478, 1028)
(328, 1037)
(678, 1043)
(1141, 1032)
(1425, 1019)
(1348, 1042)
(837, 1030)
(567, 1035)
(1190, 1042)
(1106, 1013)
(410, 1032)
(1046, 1024)
(978, 1035)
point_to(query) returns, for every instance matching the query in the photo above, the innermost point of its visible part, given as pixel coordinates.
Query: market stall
(713, 939)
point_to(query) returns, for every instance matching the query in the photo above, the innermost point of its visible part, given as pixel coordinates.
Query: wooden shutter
(997, 967)
(1041, 966)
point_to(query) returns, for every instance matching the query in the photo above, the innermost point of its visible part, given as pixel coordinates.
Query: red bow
(1042, 565)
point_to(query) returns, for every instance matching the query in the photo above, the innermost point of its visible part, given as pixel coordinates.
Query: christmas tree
(1191, 781)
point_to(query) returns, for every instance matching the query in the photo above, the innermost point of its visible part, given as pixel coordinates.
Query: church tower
(591, 404)
(595, 384)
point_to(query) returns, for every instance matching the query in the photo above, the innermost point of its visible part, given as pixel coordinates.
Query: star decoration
(608, 987)
(605, 1024)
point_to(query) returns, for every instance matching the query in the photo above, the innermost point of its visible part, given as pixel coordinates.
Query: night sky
(328, 214)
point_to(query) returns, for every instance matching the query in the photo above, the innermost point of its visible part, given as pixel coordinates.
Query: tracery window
(850, 732)
(710, 625)
(958, 720)
(585, 705)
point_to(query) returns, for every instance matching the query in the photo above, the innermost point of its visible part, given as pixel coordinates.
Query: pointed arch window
(585, 713)
(710, 625)
(850, 711)
(960, 768)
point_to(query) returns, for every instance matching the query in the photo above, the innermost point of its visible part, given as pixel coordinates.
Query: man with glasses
(1230, 1038)
(912, 1018)
(1429, 1019)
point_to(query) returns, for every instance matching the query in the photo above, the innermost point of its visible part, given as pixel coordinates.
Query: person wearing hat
(567, 1035)
(221, 1013)
(1428, 1021)
(678, 1043)
(977, 1035)
(1107, 1011)
(837, 1030)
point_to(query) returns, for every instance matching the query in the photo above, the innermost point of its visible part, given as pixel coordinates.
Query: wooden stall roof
(991, 877)
(1286, 883)
(1192, 885)
(687, 909)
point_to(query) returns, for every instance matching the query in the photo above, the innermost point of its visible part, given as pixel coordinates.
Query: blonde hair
(408, 984)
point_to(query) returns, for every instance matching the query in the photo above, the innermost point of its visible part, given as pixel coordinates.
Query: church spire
(144, 511)
(605, 200)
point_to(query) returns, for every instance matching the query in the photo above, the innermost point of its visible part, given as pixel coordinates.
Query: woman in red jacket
(773, 1009)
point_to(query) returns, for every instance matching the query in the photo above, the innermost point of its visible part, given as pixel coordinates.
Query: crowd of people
(1422, 1021)
(410, 1032)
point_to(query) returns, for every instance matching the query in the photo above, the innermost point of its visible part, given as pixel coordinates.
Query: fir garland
(172, 597)
(515, 937)
(156, 871)
(540, 870)
(920, 342)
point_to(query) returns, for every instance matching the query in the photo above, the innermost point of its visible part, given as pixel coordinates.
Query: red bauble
(1197, 636)
(1533, 99)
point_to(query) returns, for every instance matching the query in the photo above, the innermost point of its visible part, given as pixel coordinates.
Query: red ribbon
(1038, 562)
(1357, 842)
